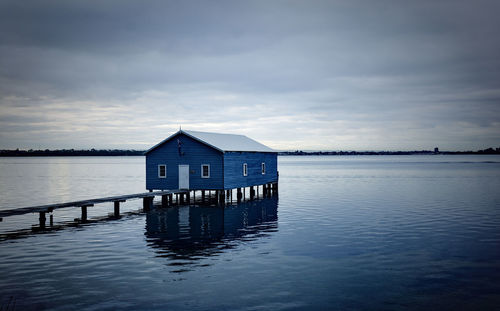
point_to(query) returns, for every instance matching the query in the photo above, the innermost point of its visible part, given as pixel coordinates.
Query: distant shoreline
(70, 153)
(119, 152)
(415, 152)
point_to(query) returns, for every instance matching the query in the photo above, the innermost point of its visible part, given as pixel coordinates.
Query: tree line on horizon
(127, 152)
(70, 152)
(300, 152)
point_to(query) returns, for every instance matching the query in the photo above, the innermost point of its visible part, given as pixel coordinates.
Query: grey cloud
(427, 63)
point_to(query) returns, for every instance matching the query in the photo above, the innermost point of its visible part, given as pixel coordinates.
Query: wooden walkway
(42, 209)
(182, 197)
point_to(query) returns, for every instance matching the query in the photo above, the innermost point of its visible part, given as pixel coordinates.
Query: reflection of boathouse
(191, 231)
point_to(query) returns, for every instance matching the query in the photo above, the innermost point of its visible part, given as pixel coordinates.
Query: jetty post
(84, 212)
(164, 200)
(147, 203)
(238, 195)
(116, 205)
(42, 220)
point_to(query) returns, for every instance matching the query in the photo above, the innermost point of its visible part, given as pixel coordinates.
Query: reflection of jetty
(188, 232)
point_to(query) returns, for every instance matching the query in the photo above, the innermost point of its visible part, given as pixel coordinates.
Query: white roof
(223, 142)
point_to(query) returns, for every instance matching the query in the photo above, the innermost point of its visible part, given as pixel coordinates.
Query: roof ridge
(221, 141)
(215, 133)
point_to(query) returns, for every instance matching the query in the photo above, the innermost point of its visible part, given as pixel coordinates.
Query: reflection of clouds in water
(188, 234)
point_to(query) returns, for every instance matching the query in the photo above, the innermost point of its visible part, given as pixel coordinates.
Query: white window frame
(159, 170)
(202, 176)
(263, 168)
(245, 169)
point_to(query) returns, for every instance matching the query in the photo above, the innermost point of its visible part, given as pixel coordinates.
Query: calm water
(373, 233)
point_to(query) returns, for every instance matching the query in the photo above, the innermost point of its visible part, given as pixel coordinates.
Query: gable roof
(221, 142)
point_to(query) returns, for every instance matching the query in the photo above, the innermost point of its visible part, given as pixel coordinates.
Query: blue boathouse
(195, 160)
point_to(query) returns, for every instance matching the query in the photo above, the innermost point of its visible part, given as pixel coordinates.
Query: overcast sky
(311, 75)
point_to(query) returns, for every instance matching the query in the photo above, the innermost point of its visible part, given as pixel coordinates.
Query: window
(205, 171)
(263, 167)
(162, 171)
(245, 169)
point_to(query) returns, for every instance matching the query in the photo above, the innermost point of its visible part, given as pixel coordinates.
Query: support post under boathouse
(202, 161)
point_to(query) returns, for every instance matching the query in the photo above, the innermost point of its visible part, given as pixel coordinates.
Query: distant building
(209, 161)
(436, 150)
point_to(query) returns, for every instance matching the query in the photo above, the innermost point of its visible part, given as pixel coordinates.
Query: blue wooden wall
(226, 169)
(233, 169)
(194, 154)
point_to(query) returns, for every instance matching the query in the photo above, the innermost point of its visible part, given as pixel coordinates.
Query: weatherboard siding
(194, 154)
(233, 169)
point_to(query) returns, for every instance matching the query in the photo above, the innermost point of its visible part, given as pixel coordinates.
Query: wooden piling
(222, 199)
(51, 220)
(84, 213)
(238, 195)
(117, 208)
(42, 220)
(164, 200)
(147, 202)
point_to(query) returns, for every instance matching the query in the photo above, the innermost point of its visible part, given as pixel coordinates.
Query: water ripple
(386, 233)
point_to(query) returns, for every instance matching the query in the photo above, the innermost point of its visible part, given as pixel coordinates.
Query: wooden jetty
(147, 197)
(182, 196)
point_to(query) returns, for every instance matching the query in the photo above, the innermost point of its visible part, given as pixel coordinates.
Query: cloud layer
(358, 75)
